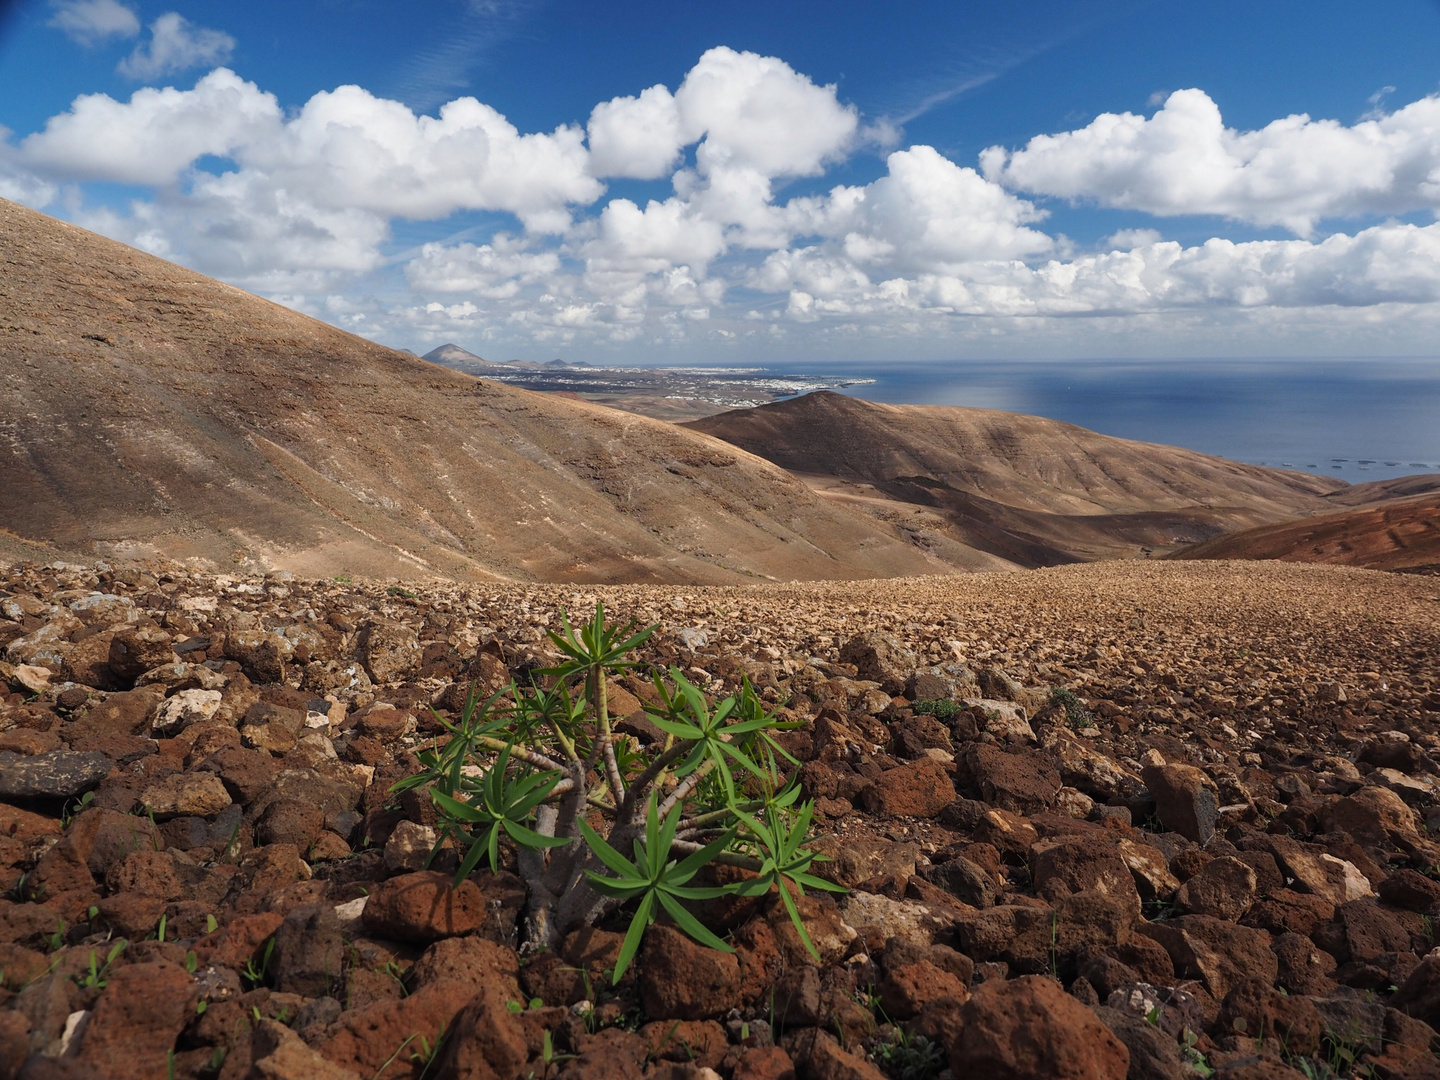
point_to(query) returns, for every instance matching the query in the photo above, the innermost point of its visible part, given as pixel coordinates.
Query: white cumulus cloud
(157, 134)
(929, 213)
(1385, 264)
(351, 148)
(757, 112)
(176, 44)
(300, 203)
(636, 137)
(307, 193)
(494, 271)
(93, 22)
(1294, 172)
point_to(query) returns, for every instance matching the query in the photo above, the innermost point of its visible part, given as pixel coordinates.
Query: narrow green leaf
(703, 892)
(457, 809)
(621, 889)
(530, 838)
(470, 862)
(607, 854)
(494, 848)
(691, 925)
(687, 867)
(816, 882)
(679, 728)
(799, 922)
(631, 944)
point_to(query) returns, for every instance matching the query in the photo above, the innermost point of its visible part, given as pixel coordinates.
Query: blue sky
(651, 183)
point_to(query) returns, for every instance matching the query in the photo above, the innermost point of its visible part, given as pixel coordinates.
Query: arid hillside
(148, 410)
(1034, 491)
(1403, 534)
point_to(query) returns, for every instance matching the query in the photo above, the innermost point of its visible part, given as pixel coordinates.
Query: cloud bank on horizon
(301, 205)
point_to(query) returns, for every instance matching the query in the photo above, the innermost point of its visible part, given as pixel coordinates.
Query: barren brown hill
(149, 410)
(1401, 534)
(1375, 491)
(1033, 491)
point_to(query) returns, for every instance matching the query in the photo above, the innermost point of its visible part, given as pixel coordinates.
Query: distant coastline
(1356, 419)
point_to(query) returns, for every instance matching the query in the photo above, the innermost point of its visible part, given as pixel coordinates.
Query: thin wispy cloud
(984, 66)
(176, 44)
(93, 23)
(437, 74)
(959, 84)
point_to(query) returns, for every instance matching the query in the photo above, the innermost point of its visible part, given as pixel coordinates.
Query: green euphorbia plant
(602, 823)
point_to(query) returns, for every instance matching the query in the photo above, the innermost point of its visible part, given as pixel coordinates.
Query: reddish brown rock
(423, 906)
(1303, 969)
(1373, 815)
(1224, 888)
(389, 651)
(129, 914)
(259, 653)
(684, 980)
(1021, 783)
(1064, 866)
(134, 650)
(702, 1042)
(1219, 954)
(127, 713)
(364, 1040)
(309, 954)
(763, 1063)
(1286, 911)
(609, 1054)
(819, 1055)
(485, 1041)
(277, 1053)
(906, 990)
(1411, 890)
(1186, 800)
(880, 658)
(919, 789)
(238, 941)
(1030, 1029)
(1419, 995)
(15, 1045)
(290, 821)
(1259, 1011)
(1016, 934)
(1362, 931)
(468, 959)
(1318, 872)
(136, 1020)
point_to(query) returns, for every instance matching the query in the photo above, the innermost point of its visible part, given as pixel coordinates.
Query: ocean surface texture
(1356, 419)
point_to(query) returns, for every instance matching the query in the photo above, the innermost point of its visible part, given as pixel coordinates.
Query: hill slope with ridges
(1033, 490)
(149, 410)
(1402, 534)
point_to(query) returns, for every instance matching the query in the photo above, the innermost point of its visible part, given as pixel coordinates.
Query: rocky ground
(1176, 822)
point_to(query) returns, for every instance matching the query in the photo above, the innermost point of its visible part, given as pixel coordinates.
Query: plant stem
(530, 757)
(686, 787)
(646, 780)
(729, 858)
(607, 744)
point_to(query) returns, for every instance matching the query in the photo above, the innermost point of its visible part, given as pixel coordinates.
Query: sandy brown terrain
(148, 409)
(1398, 534)
(1026, 489)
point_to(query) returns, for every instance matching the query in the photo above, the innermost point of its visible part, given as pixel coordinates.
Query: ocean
(1354, 419)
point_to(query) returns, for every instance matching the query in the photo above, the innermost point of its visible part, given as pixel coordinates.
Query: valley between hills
(1120, 778)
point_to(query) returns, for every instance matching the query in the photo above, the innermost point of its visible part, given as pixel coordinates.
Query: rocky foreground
(1126, 819)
